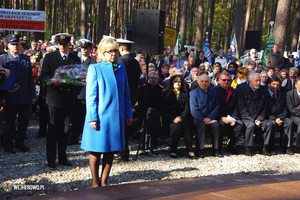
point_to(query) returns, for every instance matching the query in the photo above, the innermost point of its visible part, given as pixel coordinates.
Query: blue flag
(234, 47)
(206, 49)
(88, 35)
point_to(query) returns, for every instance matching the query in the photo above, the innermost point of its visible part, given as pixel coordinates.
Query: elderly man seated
(205, 107)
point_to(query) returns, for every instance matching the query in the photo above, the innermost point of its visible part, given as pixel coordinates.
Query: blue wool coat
(107, 103)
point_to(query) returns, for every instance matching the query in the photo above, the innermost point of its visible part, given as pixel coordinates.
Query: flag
(178, 47)
(206, 49)
(268, 48)
(88, 35)
(234, 47)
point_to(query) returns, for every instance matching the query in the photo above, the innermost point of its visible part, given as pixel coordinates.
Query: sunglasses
(228, 80)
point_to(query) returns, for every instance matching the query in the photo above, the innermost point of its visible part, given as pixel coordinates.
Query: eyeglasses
(228, 80)
(112, 51)
(221, 53)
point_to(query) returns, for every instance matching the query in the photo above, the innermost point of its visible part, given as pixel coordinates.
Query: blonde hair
(104, 45)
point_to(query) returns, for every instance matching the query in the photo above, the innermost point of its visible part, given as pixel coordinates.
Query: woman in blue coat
(108, 110)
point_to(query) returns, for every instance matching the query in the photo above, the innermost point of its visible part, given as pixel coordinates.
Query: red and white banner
(22, 20)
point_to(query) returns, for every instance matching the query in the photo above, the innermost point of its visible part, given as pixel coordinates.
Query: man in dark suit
(278, 112)
(293, 104)
(228, 106)
(205, 108)
(60, 99)
(80, 106)
(17, 100)
(253, 108)
(133, 75)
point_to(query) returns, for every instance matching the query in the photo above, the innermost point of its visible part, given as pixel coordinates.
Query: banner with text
(170, 37)
(22, 20)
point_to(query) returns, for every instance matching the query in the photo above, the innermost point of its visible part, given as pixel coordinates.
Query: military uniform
(80, 104)
(60, 100)
(19, 101)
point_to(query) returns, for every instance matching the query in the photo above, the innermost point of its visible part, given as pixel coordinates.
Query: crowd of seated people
(251, 102)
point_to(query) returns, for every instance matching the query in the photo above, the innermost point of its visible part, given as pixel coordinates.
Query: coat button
(68, 89)
(60, 88)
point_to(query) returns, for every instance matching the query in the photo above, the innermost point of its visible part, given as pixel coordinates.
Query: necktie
(292, 83)
(65, 59)
(17, 59)
(274, 98)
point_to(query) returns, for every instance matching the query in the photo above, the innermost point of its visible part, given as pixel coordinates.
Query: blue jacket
(22, 73)
(108, 104)
(204, 104)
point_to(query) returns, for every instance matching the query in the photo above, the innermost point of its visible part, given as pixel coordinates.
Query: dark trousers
(287, 128)
(251, 127)
(78, 118)
(201, 128)
(11, 111)
(296, 120)
(59, 126)
(233, 131)
(44, 116)
(179, 130)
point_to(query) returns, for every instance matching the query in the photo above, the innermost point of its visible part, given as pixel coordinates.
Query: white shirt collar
(62, 55)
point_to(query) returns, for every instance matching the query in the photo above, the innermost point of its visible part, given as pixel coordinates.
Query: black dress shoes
(266, 152)
(232, 149)
(66, 163)
(51, 164)
(10, 150)
(218, 154)
(22, 147)
(200, 154)
(248, 151)
(289, 151)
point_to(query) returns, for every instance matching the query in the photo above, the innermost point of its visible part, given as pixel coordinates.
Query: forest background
(193, 18)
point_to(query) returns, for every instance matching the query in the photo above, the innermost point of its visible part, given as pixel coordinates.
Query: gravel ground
(30, 168)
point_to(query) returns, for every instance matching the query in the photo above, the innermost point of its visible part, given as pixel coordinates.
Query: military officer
(133, 76)
(60, 100)
(79, 116)
(17, 100)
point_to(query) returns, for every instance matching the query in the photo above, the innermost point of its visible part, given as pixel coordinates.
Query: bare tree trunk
(83, 19)
(192, 4)
(116, 19)
(108, 18)
(183, 21)
(101, 23)
(200, 26)
(49, 3)
(296, 29)
(274, 8)
(261, 15)
(246, 25)
(178, 17)
(54, 17)
(239, 19)
(33, 4)
(168, 14)
(62, 17)
(282, 15)
(210, 18)
(229, 25)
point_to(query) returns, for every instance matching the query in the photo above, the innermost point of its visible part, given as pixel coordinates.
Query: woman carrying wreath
(108, 110)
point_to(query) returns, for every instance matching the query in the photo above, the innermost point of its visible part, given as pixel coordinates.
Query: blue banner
(234, 47)
(206, 49)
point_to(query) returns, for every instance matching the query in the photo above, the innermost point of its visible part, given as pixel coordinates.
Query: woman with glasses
(240, 77)
(108, 110)
(176, 109)
(231, 69)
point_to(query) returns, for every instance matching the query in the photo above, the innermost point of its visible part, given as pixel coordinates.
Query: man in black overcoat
(253, 109)
(60, 99)
(133, 75)
(78, 116)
